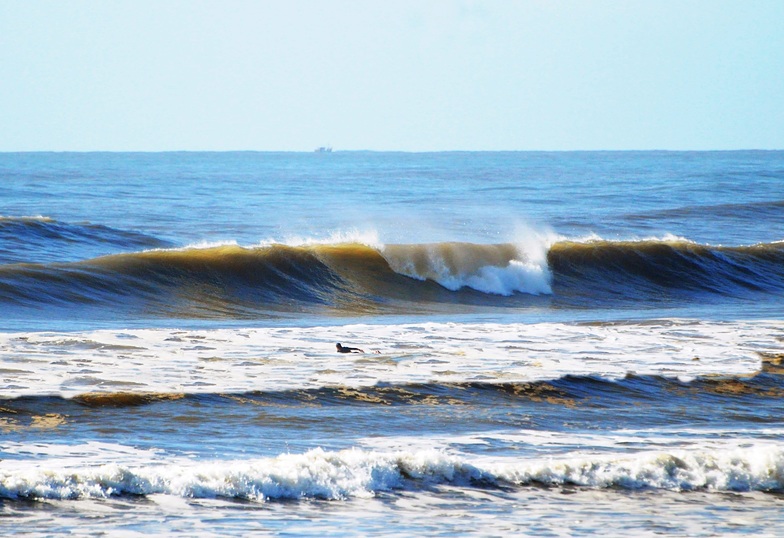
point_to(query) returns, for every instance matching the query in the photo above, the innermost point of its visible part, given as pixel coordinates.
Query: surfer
(345, 349)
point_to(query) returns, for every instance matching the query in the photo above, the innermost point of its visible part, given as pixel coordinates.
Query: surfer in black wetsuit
(344, 349)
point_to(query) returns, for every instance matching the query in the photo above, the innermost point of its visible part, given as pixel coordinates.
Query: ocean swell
(234, 281)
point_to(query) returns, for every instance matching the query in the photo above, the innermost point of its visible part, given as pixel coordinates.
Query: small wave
(361, 473)
(43, 239)
(766, 210)
(569, 390)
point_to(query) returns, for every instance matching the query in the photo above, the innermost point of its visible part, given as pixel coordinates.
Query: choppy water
(554, 343)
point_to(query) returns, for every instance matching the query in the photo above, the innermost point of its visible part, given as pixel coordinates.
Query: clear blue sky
(391, 75)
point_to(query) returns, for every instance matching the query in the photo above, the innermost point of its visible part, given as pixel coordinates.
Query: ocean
(552, 343)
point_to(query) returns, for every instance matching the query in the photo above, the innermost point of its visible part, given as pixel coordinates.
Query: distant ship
(323, 149)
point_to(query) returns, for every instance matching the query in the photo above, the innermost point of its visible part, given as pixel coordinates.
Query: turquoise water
(554, 343)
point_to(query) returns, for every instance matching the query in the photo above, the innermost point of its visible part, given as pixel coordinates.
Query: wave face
(665, 270)
(353, 278)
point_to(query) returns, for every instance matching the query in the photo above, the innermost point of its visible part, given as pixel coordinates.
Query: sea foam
(288, 358)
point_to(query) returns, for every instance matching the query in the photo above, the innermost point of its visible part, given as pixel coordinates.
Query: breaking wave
(363, 473)
(228, 280)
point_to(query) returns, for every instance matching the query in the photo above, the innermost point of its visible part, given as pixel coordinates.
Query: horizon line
(315, 151)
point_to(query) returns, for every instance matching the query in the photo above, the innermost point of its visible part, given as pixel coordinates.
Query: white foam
(273, 359)
(201, 245)
(368, 238)
(206, 245)
(596, 238)
(518, 276)
(363, 473)
(527, 272)
(38, 218)
(756, 468)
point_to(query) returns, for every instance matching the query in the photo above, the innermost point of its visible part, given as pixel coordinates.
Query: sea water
(552, 343)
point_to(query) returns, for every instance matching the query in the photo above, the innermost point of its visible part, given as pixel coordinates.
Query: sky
(419, 75)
